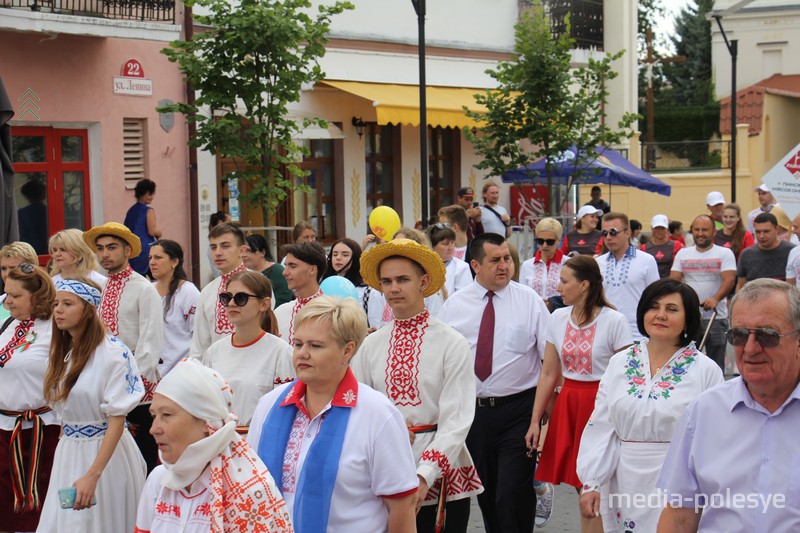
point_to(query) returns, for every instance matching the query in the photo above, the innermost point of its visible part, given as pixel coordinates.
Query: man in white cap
(425, 367)
(766, 201)
(131, 309)
(716, 205)
(661, 246)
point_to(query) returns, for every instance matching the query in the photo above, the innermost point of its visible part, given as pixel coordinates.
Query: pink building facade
(85, 91)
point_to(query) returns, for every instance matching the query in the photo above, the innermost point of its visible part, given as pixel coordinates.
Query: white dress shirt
(519, 334)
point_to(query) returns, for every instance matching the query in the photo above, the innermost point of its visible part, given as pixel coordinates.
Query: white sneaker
(544, 503)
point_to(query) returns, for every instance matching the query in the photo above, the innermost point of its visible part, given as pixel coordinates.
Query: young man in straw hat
(131, 310)
(425, 368)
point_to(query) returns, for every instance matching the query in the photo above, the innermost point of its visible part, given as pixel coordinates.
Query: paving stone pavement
(565, 516)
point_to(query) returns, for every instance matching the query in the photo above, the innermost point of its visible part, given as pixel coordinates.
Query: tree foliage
(541, 99)
(248, 65)
(691, 81)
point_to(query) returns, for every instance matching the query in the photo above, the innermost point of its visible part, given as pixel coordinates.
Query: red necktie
(485, 347)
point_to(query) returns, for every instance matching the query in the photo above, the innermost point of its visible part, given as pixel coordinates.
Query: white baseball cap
(763, 188)
(589, 210)
(715, 198)
(659, 221)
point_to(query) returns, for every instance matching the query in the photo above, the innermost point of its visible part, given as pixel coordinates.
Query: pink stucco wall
(72, 75)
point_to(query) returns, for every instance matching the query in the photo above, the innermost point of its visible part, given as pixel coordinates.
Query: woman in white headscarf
(210, 479)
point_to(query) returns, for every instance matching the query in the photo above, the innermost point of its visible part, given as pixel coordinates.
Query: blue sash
(312, 501)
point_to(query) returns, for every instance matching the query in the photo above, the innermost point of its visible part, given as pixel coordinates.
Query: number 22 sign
(132, 68)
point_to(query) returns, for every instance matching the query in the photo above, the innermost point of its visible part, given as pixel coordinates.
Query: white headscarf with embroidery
(239, 480)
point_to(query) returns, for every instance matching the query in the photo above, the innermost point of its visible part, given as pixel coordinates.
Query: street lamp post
(733, 50)
(419, 7)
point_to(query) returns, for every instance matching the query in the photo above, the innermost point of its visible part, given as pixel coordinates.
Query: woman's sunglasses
(26, 268)
(765, 337)
(549, 242)
(240, 298)
(613, 232)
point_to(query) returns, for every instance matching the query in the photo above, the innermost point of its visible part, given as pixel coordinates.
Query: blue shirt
(738, 460)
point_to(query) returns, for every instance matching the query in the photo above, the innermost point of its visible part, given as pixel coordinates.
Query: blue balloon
(339, 286)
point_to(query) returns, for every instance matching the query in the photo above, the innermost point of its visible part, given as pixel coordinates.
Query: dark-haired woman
(25, 419)
(642, 395)
(581, 338)
(141, 220)
(179, 299)
(92, 382)
(258, 258)
(253, 359)
(345, 260)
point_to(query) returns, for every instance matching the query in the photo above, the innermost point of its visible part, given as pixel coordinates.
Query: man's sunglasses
(240, 298)
(613, 232)
(549, 242)
(765, 337)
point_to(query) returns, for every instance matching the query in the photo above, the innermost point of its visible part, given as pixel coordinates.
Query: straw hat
(783, 219)
(117, 230)
(429, 260)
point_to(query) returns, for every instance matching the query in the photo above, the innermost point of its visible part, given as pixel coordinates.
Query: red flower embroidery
(402, 370)
(109, 302)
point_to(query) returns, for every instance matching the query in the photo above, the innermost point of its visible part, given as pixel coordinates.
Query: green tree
(246, 67)
(542, 100)
(691, 80)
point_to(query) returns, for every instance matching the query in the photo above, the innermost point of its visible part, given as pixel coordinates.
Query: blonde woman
(11, 256)
(72, 258)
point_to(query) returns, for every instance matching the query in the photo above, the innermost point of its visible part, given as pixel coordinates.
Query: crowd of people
(132, 401)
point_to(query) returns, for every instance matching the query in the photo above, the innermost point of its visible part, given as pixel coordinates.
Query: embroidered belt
(85, 431)
(430, 428)
(500, 400)
(24, 481)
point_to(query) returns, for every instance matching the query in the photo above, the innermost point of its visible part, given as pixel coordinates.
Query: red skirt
(28, 521)
(574, 406)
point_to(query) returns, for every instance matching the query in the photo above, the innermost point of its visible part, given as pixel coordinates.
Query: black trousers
(456, 517)
(496, 442)
(139, 422)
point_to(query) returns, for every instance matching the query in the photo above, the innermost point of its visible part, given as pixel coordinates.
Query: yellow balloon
(384, 222)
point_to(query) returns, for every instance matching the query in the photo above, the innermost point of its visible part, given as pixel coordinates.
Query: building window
(51, 182)
(585, 21)
(133, 141)
(444, 166)
(317, 205)
(382, 157)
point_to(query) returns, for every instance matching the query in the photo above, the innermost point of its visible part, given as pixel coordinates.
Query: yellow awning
(399, 104)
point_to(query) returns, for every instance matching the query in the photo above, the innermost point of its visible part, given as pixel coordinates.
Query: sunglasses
(25, 268)
(613, 232)
(549, 242)
(765, 337)
(441, 225)
(240, 298)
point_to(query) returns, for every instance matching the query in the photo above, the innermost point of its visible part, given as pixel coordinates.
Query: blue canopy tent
(606, 166)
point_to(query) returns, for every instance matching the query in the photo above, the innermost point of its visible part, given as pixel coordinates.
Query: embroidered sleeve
(456, 412)
(150, 343)
(599, 450)
(201, 337)
(123, 383)
(284, 369)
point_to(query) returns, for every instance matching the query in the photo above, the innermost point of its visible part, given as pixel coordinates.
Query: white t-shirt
(585, 351)
(491, 222)
(457, 276)
(252, 370)
(178, 325)
(625, 280)
(376, 459)
(702, 271)
(793, 266)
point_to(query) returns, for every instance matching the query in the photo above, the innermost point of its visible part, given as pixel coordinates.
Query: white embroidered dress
(252, 370)
(178, 325)
(634, 419)
(425, 368)
(109, 385)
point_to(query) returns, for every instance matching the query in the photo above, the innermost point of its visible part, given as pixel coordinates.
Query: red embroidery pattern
(388, 314)
(576, 352)
(243, 495)
(17, 339)
(109, 302)
(221, 324)
(438, 458)
(402, 368)
(149, 390)
(292, 453)
(298, 304)
(460, 481)
(459, 254)
(167, 509)
(204, 509)
(545, 281)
